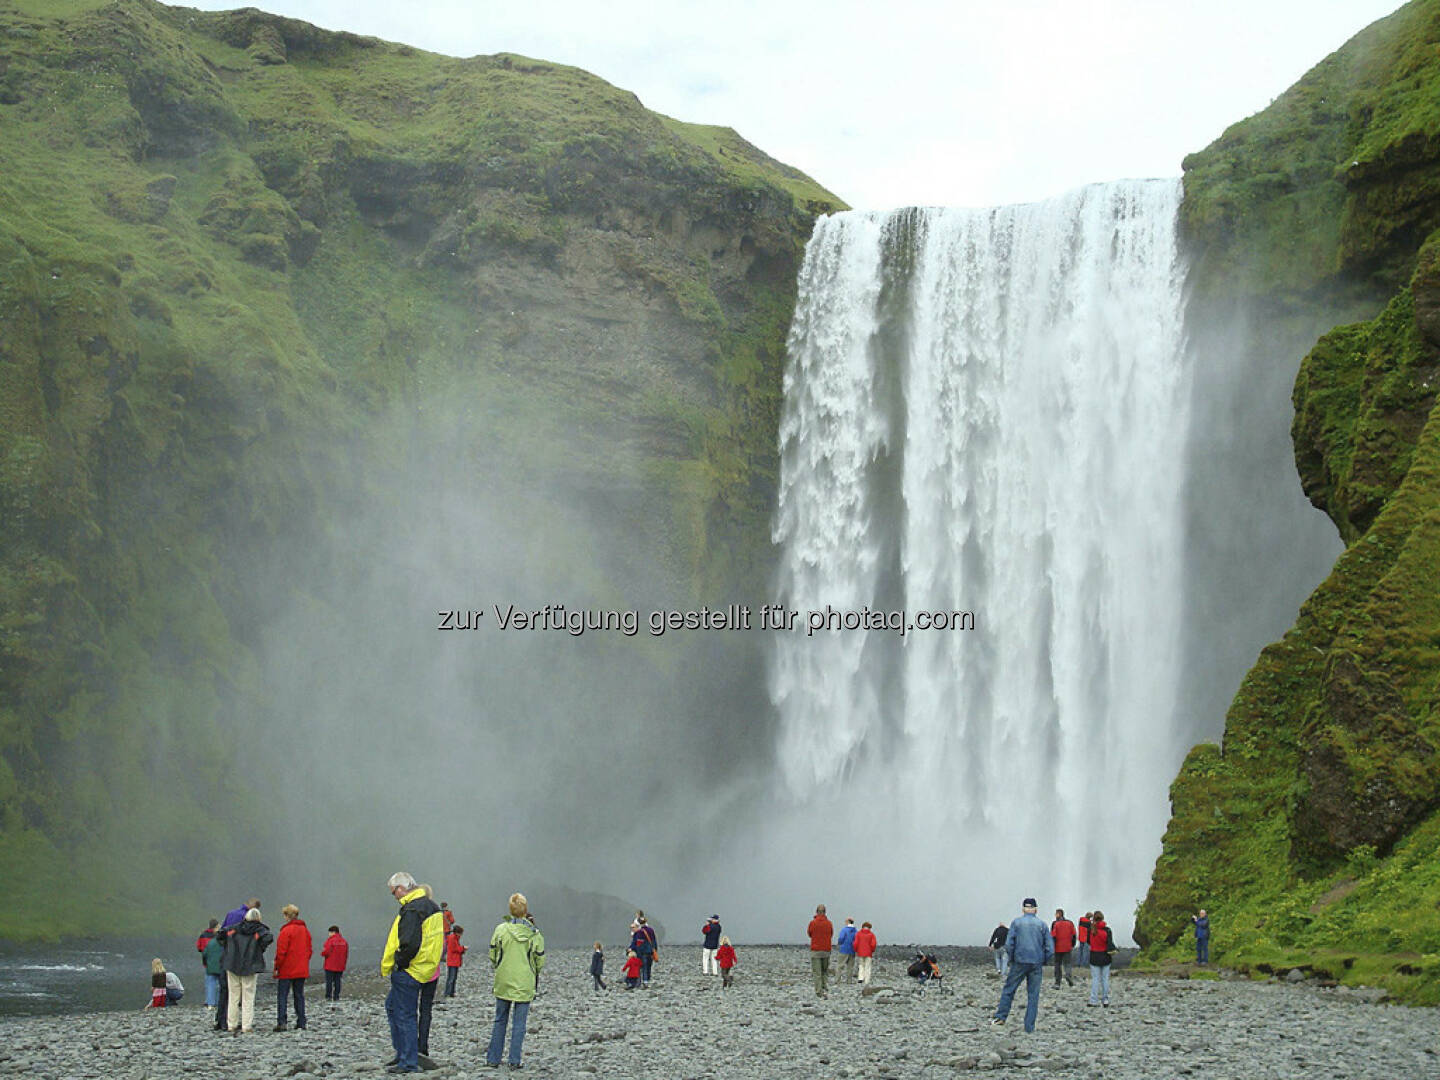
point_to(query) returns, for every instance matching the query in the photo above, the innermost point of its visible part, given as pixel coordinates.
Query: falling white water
(986, 411)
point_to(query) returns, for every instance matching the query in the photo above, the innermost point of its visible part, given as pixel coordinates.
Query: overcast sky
(958, 103)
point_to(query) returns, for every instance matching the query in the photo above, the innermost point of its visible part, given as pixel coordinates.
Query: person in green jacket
(214, 957)
(517, 950)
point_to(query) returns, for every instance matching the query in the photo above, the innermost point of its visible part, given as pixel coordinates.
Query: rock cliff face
(255, 277)
(1311, 833)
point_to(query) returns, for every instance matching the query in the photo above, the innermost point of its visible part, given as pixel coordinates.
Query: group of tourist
(856, 948)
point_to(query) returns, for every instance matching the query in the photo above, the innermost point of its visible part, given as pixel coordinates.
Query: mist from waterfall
(986, 411)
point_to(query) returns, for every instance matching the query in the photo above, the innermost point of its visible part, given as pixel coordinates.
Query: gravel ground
(770, 1025)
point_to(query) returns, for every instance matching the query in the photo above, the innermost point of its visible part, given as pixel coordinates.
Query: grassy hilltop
(245, 264)
(1312, 833)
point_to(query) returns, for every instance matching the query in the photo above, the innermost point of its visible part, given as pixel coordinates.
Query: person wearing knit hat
(1030, 948)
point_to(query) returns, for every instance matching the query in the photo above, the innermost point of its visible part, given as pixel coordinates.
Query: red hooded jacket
(821, 930)
(292, 950)
(336, 953)
(865, 942)
(1063, 931)
(725, 956)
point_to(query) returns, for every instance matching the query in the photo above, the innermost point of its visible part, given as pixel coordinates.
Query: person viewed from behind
(632, 969)
(711, 933)
(214, 957)
(293, 950)
(411, 957)
(640, 946)
(1029, 947)
(1102, 944)
(865, 951)
(336, 954)
(597, 967)
(244, 959)
(174, 988)
(233, 918)
(845, 945)
(725, 957)
(454, 957)
(212, 989)
(997, 946)
(158, 998)
(1062, 931)
(652, 943)
(517, 950)
(1082, 935)
(1202, 937)
(820, 930)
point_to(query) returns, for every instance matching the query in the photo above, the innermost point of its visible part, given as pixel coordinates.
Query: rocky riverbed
(770, 1025)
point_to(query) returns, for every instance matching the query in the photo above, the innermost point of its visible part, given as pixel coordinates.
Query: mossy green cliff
(1312, 832)
(243, 261)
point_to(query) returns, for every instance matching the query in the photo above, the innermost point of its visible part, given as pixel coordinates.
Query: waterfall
(986, 412)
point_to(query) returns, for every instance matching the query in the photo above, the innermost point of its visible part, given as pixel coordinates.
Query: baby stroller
(926, 972)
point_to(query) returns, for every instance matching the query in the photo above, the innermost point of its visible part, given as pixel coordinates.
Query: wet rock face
(1425, 286)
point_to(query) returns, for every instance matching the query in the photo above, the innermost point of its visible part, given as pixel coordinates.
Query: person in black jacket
(711, 930)
(997, 945)
(244, 959)
(597, 966)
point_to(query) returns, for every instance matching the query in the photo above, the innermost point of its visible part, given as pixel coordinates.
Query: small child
(158, 998)
(597, 967)
(725, 957)
(632, 969)
(454, 957)
(214, 957)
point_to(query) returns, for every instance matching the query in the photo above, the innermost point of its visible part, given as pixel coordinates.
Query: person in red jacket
(292, 966)
(865, 950)
(632, 969)
(1063, 931)
(1083, 933)
(725, 957)
(336, 952)
(821, 930)
(454, 957)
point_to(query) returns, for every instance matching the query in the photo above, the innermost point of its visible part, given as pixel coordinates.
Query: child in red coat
(632, 969)
(725, 957)
(454, 957)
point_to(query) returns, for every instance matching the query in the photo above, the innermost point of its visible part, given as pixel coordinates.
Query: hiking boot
(995, 1021)
(280, 1027)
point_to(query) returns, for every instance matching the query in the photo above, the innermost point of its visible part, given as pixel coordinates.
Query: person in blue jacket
(1202, 937)
(846, 944)
(1030, 947)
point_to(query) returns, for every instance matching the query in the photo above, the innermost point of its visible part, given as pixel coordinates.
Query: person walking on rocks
(454, 957)
(632, 969)
(293, 950)
(1083, 936)
(1102, 944)
(1062, 930)
(997, 946)
(597, 967)
(845, 943)
(336, 953)
(517, 950)
(244, 959)
(711, 932)
(725, 957)
(1202, 937)
(821, 930)
(652, 946)
(411, 957)
(865, 950)
(1030, 949)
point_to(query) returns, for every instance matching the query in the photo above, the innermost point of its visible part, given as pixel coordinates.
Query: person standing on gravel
(412, 955)
(293, 950)
(997, 946)
(1062, 931)
(1030, 948)
(1102, 944)
(517, 949)
(1083, 935)
(244, 959)
(845, 943)
(1202, 937)
(865, 950)
(821, 930)
(711, 932)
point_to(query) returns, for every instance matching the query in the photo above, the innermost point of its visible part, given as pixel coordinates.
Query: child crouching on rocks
(597, 966)
(725, 957)
(632, 969)
(158, 998)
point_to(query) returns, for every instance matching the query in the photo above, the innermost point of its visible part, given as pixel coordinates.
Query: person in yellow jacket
(412, 956)
(517, 949)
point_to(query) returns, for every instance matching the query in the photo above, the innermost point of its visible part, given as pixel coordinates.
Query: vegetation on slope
(240, 258)
(1312, 833)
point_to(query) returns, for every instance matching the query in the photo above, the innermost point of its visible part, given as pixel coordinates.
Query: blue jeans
(1099, 984)
(427, 1003)
(1084, 959)
(282, 989)
(212, 989)
(1002, 961)
(1202, 950)
(451, 974)
(402, 1009)
(517, 1030)
(1032, 975)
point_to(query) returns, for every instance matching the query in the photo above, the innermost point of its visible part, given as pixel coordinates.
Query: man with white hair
(412, 956)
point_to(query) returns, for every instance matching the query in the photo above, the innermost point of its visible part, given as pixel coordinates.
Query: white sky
(913, 101)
